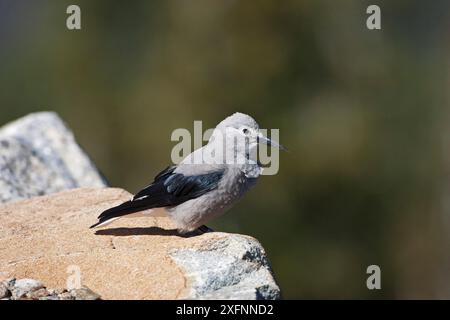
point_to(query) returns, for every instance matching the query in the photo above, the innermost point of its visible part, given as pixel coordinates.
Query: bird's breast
(195, 212)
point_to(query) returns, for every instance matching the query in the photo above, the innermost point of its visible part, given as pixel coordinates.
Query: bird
(206, 183)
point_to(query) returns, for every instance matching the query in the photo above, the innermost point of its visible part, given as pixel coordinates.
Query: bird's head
(241, 135)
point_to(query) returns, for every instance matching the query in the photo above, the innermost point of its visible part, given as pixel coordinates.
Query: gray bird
(206, 183)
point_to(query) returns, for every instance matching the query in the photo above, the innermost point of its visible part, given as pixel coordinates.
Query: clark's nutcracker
(206, 183)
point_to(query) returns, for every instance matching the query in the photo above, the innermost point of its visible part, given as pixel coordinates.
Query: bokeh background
(364, 114)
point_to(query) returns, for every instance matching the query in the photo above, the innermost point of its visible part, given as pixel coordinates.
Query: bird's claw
(205, 229)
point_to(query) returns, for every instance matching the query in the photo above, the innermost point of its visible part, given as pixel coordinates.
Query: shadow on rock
(147, 231)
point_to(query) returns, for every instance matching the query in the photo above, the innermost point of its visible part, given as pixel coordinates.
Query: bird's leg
(198, 232)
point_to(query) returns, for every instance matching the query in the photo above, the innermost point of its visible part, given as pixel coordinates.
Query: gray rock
(10, 283)
(233, 268)
(40, 293)
(23, 287)
(51, 297)
(84, 294)
(59, 292)
(4, 292)
(30, 289)
(66, 296)
(39, 155)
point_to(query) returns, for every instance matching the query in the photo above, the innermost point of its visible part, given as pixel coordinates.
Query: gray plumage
(206, 183)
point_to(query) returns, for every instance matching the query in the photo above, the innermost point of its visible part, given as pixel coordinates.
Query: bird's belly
(196, 212)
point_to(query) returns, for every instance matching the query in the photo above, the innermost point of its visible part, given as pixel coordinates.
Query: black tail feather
(96, 224)
(169, 189)
(120, 210)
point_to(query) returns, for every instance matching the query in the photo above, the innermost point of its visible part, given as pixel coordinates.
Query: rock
(39, 155)
(59, 292)
(48, 238)
(84, 294)
(234, 267)
(30, 289)
(23, 287)
(69, 296)
(10, 283)
(38, 294)
(51, 297)
(4, 292)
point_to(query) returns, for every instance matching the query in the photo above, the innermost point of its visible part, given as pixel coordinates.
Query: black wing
(168, 189)
(159, 177)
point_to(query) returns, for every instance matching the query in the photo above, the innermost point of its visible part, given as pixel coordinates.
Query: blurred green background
(364, 114)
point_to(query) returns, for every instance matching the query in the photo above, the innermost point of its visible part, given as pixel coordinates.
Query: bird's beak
(265, 140)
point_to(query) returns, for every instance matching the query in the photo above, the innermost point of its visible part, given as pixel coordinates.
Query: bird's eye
(245, 131)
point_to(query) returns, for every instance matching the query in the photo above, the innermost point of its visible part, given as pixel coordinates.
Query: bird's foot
(204, 229)
(199, 231)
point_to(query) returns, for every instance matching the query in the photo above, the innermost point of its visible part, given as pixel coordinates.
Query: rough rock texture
(4, 290)
(48, 237)
(23, 286)
(233, 267)
(39, 155)
(30, 289)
